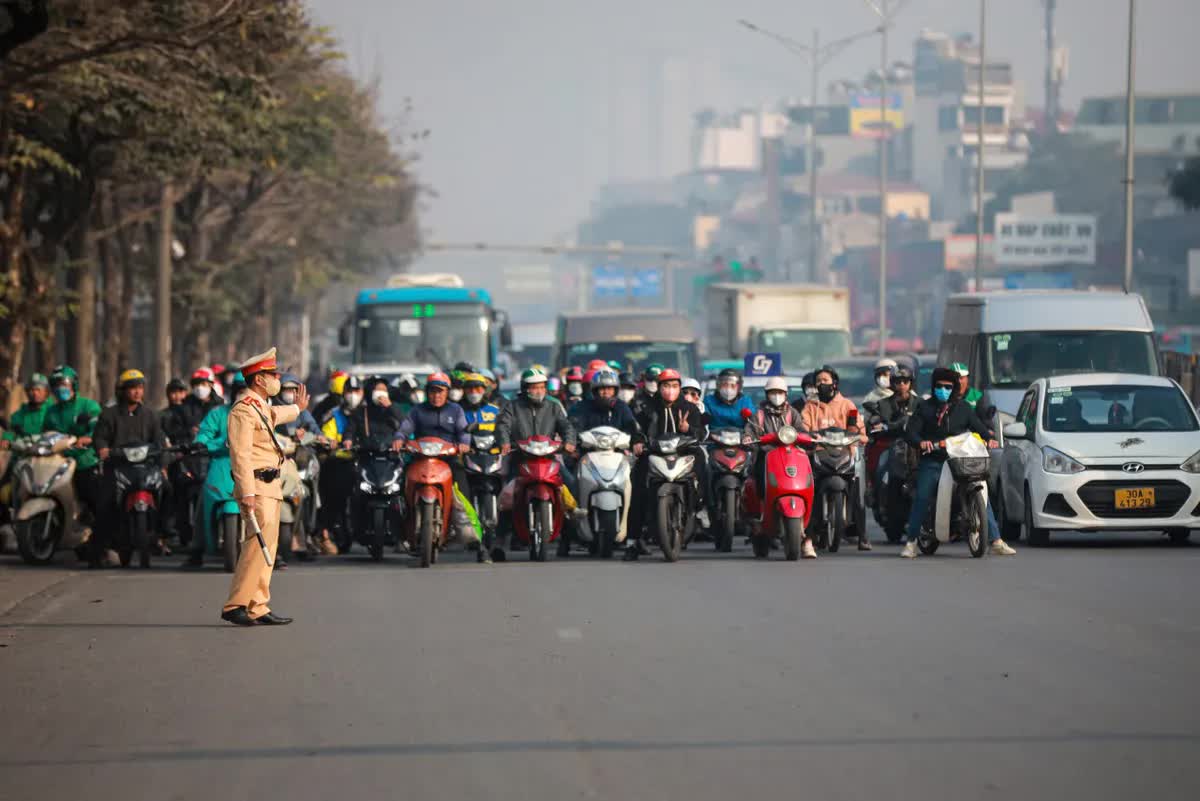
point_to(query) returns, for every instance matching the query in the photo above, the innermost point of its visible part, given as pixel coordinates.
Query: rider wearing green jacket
(76, 416)
(29, 420)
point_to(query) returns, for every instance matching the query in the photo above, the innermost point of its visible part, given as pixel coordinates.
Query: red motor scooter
(785, 510)
(429, 493)
(537, 497)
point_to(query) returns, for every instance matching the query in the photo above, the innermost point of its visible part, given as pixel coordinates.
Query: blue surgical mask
(942, 393)
(63, 393)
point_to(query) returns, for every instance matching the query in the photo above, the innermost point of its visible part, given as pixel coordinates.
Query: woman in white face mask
(883, 381)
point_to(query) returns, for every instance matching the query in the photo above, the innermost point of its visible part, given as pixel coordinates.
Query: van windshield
(1016, 360)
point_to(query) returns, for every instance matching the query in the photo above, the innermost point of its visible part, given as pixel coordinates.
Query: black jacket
(892, 411)
(520, 420)
(657, 419)
(371, 422)
(179, 422)
(118, 427)
(935, 421)
(590, 414)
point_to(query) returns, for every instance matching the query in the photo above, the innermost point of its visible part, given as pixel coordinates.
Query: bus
(422, 323)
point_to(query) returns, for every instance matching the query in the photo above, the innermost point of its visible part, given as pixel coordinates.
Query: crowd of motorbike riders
(708, 455)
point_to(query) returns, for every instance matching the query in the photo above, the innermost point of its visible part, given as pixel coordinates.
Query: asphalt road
(1063, 673)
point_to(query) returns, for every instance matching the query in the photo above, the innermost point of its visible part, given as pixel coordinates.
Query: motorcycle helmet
(615, 365)
(651, 372)
(64, 372)
(596, 365)
(809, 386)
(129, 378)
(176, 385)
(437, 380)
(464, 368)
(627, 380)
(553, 385)
(202, 375)
(533, 376)
(669, 374)
(883, 369)
(900, 374)
(605, 378)
(775, 385)
(724, 391)
(337, 382)
(236, 384)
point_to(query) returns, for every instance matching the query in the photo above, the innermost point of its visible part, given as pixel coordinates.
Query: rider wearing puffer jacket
(726, 404)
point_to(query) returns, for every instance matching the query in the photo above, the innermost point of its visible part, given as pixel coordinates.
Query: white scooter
(960, 511)
(604, 489)
(47, 509)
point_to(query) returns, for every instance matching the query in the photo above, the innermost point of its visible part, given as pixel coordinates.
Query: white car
(1098, 452)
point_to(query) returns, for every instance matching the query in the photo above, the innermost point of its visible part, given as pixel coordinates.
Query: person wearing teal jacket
(77, 417)
(29, 420)
(218, 486)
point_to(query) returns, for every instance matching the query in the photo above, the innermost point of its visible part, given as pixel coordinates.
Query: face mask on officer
(777, 398)
(574, 388)
(352, 399)
(456, 394)
(270, 384)
(475, 397)
(202, 391)
(627, 394)
(287, 396)
(728, 392)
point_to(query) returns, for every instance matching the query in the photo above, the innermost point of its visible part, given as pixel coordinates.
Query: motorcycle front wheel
(139, 530)
(835, 520)
(38, 537)
(729, 512)
(378, 529)
(792, 534)
(977, 521)
(425, 513)
(543, 526)
(670, 527)
(605, 533)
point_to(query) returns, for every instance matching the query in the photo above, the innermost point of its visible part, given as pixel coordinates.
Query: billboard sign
(608, 281)
(1045, 240)
(764, 364)
(865, 122)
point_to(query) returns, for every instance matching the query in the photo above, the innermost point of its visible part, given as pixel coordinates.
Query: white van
(1011, 339)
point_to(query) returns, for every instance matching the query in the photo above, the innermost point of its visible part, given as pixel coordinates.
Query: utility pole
(162, 300)
(1129, 132)
(979, 174)
(818, 56)
(1051, 71)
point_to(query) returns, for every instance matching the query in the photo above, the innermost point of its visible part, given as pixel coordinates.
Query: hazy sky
(532, 104)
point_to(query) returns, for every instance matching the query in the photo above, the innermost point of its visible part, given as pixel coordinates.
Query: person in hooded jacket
(830, 409)
(648, 390)
(604, 408)
(336, 481)
(667, 413)
(726, 405)
(944, 414)
(376, 421)
(180, 422)
(883, 381)
(808, 391)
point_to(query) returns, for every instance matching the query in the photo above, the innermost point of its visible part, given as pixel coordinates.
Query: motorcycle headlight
(366, 486)
(1192, 465)
(485, 443)
(137, 454)
(1055, 461)
(728, 437)
(787, 435)
(668, 446)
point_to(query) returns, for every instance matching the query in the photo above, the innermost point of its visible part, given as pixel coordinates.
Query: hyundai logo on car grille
(1133, 467)
(791, 472)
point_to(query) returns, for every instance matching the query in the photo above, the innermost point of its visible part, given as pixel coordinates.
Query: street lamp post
(979, 175)
(818, 56)
(1129, 132)
(886, 10)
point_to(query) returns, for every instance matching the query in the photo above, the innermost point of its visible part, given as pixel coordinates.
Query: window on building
(948, 118)
(868, 204)
(1187, 109)
(994, 115)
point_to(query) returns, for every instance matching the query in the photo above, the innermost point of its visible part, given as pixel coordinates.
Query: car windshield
(1117, 408)
(802, 350)
(634, 356)
(1016, 360)
(391, 334)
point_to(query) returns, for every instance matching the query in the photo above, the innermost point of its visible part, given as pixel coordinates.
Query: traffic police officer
(256, 457)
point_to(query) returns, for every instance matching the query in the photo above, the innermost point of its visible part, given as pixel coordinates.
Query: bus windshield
(410, 333)
(1016, 360)
(634, 356)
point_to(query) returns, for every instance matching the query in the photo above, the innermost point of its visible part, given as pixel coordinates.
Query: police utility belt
(266, 474)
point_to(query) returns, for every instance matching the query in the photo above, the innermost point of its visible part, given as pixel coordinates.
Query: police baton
(261, 542)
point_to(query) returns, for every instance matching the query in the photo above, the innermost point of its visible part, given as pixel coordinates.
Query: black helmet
(901, 372)
(944, 375)
(176, 385)
(727, 373)
(605, 378)
(353, 382)
(825, 368)
(627, 380)
(809, 380)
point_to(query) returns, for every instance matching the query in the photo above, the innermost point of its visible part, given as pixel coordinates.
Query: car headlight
(1055, 461)
(1192, 465)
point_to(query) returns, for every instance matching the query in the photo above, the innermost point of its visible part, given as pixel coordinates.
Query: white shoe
(1002, 548)
(807, 551)
(910, 551)
(702, 517)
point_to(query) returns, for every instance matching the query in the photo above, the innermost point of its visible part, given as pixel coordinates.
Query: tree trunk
(15, 328)
(162, 300)
(81, 345)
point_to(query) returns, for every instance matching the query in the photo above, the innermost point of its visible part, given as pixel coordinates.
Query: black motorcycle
(673, 486)
(187, 475)
(378, 496)
(486, 473)
(729, 465)
(835, 490)
(139, 486)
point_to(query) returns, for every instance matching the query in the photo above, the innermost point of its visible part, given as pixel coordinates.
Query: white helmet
(691, 383)
(885, 364)
(776, 383)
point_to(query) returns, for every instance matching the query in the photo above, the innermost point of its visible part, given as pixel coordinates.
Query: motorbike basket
(970, 468)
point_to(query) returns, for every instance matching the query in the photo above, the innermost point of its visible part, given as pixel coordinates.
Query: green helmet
(651, 372)
(37, 380)
(64, 372)
(960, 368)
(533, 375)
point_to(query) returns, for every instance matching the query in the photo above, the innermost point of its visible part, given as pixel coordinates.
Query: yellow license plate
(1139, 498)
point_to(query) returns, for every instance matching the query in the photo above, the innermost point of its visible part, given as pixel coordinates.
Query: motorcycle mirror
(747, 414)
(990, 412)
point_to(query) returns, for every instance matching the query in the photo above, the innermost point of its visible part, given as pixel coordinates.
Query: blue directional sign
(764, 364)
(608, 281)
(646, 284)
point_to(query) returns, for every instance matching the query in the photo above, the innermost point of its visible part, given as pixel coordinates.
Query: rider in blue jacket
(725, 406)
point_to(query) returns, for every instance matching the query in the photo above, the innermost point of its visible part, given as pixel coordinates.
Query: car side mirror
(1015, 431)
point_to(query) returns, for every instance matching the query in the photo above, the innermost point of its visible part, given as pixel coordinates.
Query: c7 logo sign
(762, 364)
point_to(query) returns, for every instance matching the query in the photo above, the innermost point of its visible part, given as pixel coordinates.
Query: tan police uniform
(256, 460)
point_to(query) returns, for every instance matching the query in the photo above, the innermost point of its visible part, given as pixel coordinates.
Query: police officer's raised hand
(397, 445)
(5, 444)
(302, 397)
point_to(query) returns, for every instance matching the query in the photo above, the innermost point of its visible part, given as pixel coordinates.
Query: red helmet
(595, 365)
(218, 368)
(202, 374)
(575, 373)
(590, 375)
(437, 380)
(669, 374)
